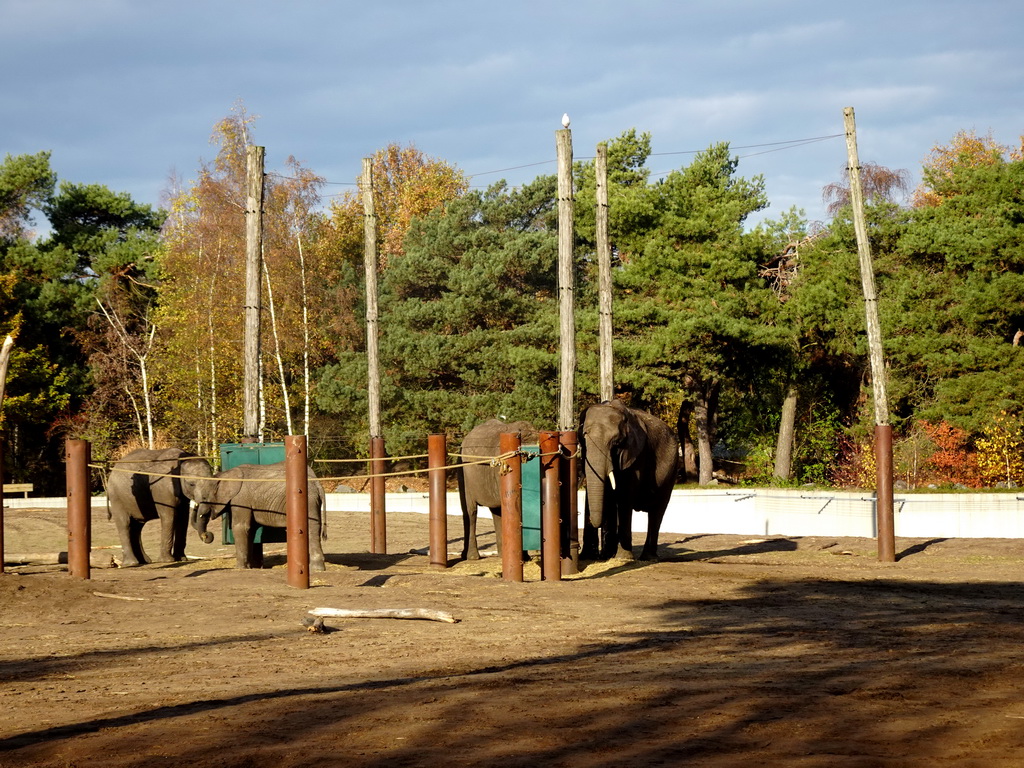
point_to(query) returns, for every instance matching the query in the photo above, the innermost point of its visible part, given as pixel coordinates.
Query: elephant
(254, 494)
(480, 484)
(630, 459)
(148, 485)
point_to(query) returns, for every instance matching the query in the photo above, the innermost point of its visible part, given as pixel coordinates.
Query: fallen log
(384, 613)
(119, 597)
(97, 559)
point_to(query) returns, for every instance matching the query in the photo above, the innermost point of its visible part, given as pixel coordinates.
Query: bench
(25, 488)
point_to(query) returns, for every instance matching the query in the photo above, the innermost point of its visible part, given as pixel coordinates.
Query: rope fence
(500, 461)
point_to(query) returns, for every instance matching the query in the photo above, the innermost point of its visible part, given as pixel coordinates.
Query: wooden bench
(25, 488)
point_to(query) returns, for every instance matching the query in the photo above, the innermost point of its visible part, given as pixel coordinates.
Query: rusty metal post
(550, 508)
(378, 517)
(437, 459)
(1, 501)
(883, 494)
(296, 484)
(511, 507)
(570, 528)
(76, 455)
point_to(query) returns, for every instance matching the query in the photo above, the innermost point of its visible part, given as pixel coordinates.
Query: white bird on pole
(565, 120)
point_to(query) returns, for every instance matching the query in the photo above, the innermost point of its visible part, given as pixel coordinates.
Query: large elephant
(480, 483)
(630, 460)
(254, 494)
(149, 485)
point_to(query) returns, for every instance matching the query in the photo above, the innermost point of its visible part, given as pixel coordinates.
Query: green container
(531, 497)
(235, 454)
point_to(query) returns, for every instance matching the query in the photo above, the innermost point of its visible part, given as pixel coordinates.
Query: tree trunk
(686, 442)
(706, 415)
(705, 462)
(787, 429)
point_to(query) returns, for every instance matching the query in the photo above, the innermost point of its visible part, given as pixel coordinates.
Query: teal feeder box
(531, 497)
(235, 454)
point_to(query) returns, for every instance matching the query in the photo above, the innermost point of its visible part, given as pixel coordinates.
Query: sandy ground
(785, 651)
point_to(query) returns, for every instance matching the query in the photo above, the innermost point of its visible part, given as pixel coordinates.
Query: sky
(125, 93)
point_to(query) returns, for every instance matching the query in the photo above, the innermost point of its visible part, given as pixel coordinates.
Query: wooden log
(97, 559)
(384, 613)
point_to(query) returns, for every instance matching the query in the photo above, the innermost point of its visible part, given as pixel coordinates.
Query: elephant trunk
(199, 522)
(596, 476)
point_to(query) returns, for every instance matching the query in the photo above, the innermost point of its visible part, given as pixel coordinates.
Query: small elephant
(148, 485)
(630, 460)
(480, 484)
(254, 494)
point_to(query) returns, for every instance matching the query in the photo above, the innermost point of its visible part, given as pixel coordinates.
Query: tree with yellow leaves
(966, 150)
(406, 184)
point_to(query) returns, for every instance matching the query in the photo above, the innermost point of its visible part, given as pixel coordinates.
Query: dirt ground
(782, 651)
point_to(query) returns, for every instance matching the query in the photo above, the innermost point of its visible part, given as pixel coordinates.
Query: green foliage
(468, 317)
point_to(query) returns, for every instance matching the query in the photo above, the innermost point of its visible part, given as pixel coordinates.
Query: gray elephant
(153, 485)
(254, 495)
(480, 484)
(630, 460)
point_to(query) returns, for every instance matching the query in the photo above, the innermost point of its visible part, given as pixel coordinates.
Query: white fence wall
(779, 512)
(760, 512)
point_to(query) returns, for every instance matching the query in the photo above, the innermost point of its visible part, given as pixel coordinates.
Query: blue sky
(125, 92)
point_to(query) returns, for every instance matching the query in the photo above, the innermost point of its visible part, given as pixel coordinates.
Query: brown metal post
(296, 483)
(378, 518)
(1, 505)
(76, 455)
(550, 508)
(437, 459)
(570, 528)
(511, 507)
(883, 494)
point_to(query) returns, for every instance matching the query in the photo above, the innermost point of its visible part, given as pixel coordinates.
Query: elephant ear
(634, 440)
(225, 487)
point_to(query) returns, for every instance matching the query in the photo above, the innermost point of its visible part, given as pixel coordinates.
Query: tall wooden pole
(5, 354)
(566, 281)
(378, 522)
(253, 277)
(883, 430)
(370, 261)
(604, 270)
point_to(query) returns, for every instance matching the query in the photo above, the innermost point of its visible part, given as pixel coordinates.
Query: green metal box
(531, 497)
(235, 454)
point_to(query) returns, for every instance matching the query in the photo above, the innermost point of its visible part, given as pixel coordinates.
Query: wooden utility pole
(253, 278)
(370, 260)
(378, 519)
(883, 430)
(604, 270)
(566, 279)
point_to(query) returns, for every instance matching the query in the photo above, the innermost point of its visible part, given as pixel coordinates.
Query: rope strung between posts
(500, 461)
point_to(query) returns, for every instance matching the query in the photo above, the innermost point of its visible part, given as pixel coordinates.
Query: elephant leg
(469, 546)
(609, 535)
(243, 533)
(650, 550)
(496, 519)
(316, 547)
(180, 531)
(132, 552)
(591, 540)
(624, 534)
(167, 535)
(123, 523)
